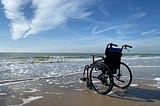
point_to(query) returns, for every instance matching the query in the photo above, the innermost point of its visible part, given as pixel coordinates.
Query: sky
(79, 26)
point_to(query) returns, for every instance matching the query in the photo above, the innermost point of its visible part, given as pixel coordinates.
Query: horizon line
(78, 53)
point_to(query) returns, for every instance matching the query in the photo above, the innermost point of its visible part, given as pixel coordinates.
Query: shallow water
(21, 66)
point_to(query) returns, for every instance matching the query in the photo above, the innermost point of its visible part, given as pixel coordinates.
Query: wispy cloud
(106, 13)
(139, 14)
(95, 31)
(48, 14)
(95, 21)
(151, 32)
(116, 27)
(13, 12)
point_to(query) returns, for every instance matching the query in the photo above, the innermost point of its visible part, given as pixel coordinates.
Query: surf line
(5, 71)
(11, 82)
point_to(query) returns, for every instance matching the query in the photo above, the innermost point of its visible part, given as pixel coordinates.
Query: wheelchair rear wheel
(123, 77)
(101, 78)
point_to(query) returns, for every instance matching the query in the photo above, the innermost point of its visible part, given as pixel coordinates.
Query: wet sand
(134, 97)
(69, 91)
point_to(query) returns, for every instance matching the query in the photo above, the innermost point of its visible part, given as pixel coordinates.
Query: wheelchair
(108, 71)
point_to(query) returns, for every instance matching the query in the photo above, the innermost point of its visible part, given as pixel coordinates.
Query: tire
(123, 77)
(101, 78)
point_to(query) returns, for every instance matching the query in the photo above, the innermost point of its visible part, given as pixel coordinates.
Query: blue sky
(79, 25)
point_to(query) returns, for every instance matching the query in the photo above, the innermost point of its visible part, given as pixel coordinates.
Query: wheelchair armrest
(93, 56)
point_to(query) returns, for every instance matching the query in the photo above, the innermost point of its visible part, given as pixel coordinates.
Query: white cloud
(139, 14)
(106, 13)
(116, 27)
(48, 14)
(94, 31)
(150, 32)
(83, 15)
(19, 23)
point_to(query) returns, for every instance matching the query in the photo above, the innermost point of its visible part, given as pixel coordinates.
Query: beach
(54, 80)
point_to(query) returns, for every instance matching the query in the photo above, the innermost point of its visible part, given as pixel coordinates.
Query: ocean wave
(157, 79)
(154, 85)
(59, 59)
(49, 57)
(50, 66)
(141, 66)
(43, 59)
(149, 56)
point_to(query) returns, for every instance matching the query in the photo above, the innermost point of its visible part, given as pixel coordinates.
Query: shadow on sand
(138, 94)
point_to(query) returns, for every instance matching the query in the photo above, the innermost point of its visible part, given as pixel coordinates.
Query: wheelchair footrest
(84, 78)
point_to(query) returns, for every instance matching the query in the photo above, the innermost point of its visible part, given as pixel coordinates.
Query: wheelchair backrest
(113, 57)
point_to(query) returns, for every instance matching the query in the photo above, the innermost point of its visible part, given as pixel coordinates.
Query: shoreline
(69, 91)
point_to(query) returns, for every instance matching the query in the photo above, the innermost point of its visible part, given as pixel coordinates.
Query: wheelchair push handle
(126, 47)
(111, 44)
(129, 46)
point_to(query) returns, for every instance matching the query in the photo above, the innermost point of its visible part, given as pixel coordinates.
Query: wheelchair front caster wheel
(89, 85)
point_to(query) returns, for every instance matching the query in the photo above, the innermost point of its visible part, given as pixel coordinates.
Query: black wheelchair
(109, 71)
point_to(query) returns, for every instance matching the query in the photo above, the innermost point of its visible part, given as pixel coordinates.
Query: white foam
(138, 57)
(96, 81)
(57, 83)
(142, 78)
(157, 79)
(134, 85)
(32, 90)
(79, 89)
(28, 100)
(80, 81)
(140, 66)
(111, 92)
(57, 93)
(4, 71)
(11, 83)
(61, 86)
(2, 94)
(154, 85)
(17, 81)
(13, 96)
(50, 82)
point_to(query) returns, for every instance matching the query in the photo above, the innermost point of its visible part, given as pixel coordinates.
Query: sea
(23, 66)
